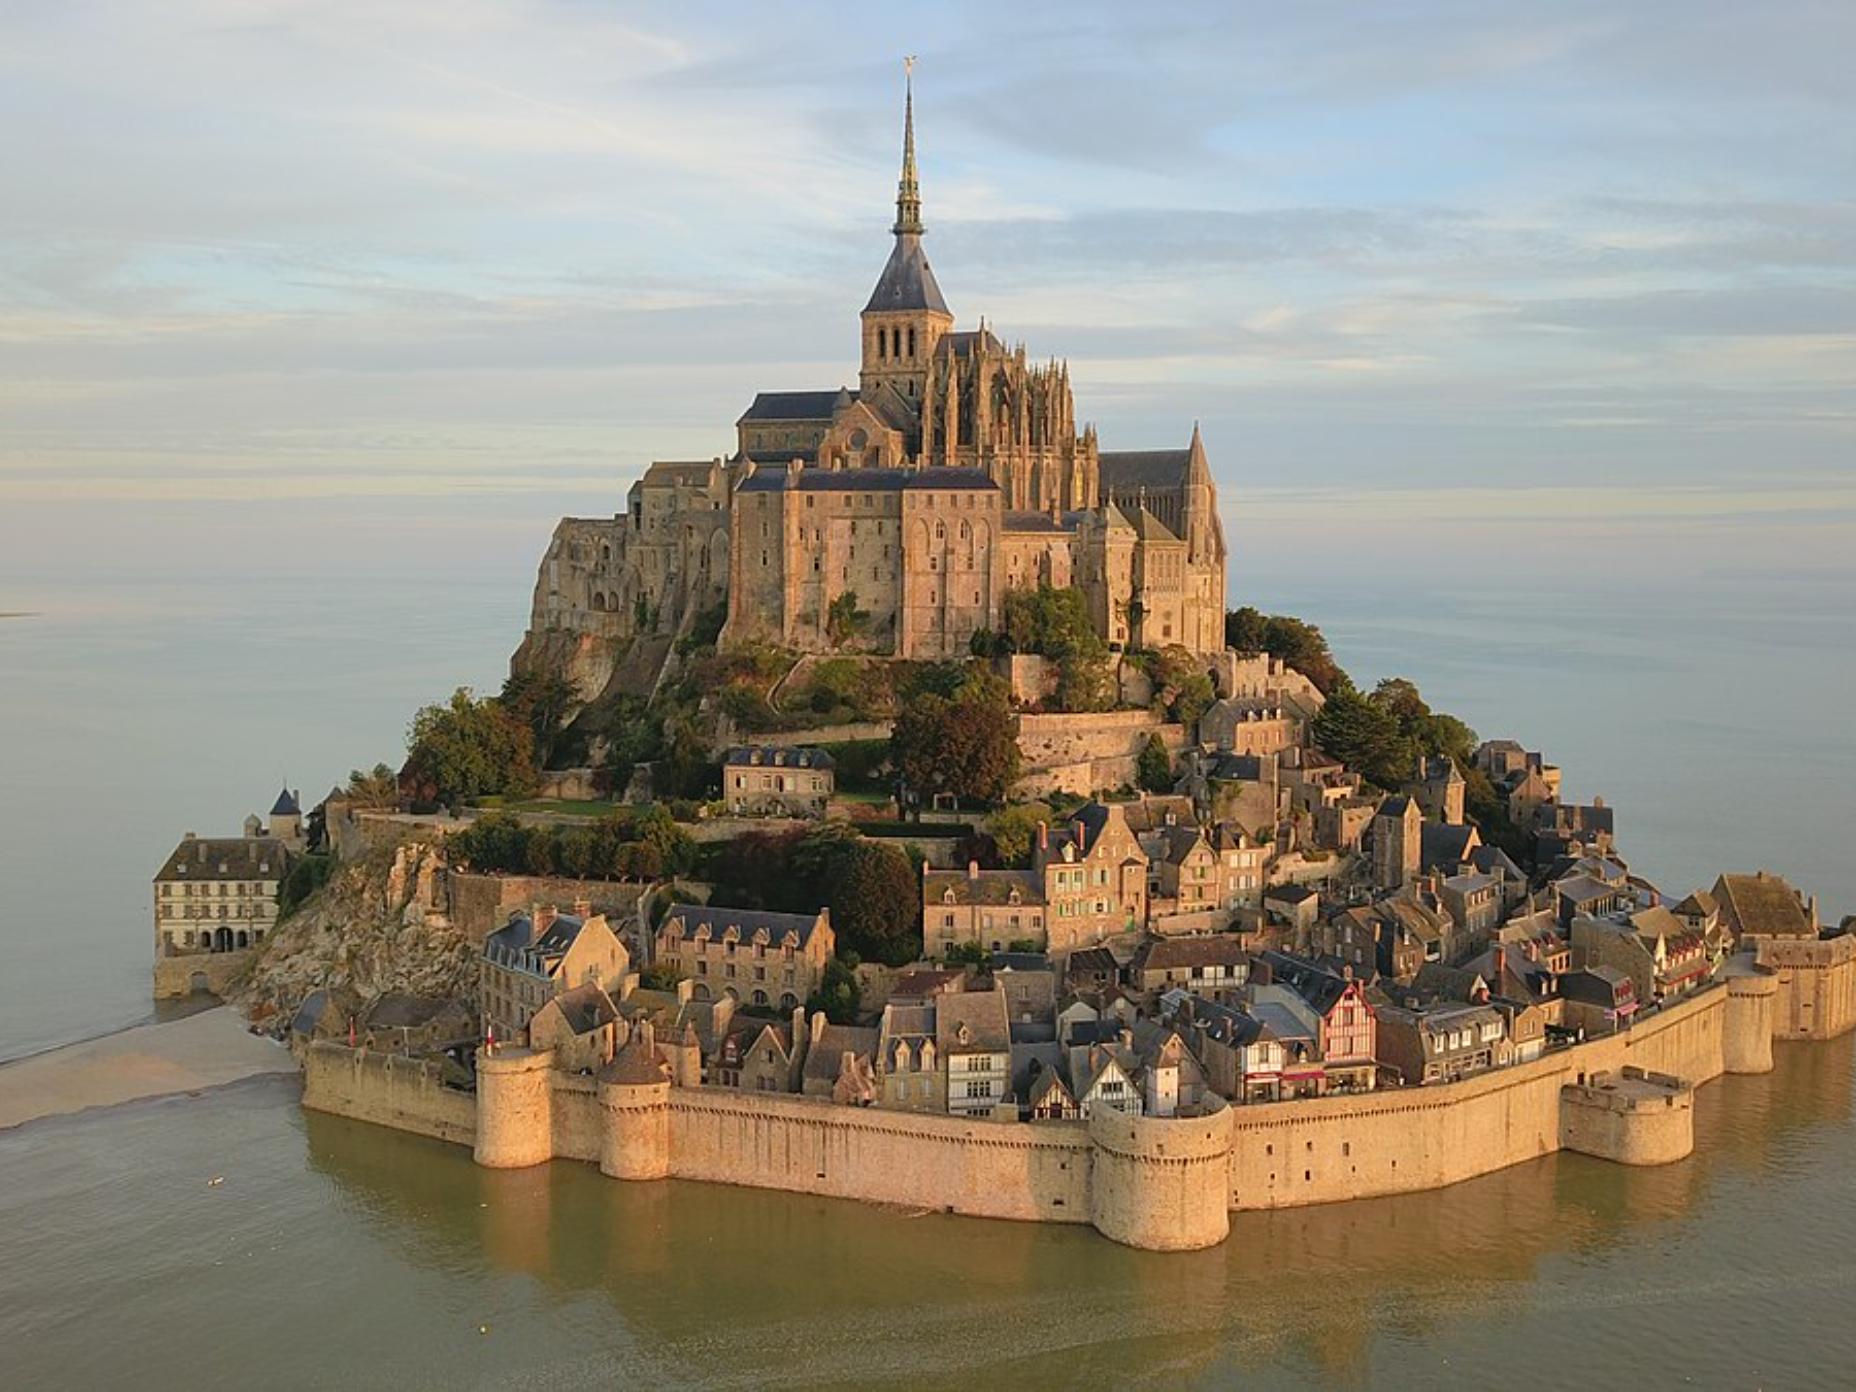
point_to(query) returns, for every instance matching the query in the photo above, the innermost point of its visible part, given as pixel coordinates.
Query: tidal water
(337, 1254)
(140, 698)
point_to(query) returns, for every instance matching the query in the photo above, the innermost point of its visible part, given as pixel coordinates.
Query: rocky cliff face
(378, 925)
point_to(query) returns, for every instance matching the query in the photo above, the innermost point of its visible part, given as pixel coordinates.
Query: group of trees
(963, 742)
(1055, 624)
(634, 843)
(1183, 690)
(873, 890)
(1299, 645)
(468, 748)
(1383, 734)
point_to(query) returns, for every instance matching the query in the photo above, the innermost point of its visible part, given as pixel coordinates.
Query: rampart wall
(387, 1089)
(1164, 1184)
(1817, 985)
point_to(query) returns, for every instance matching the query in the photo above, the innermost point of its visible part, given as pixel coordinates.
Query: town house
(1095, 878)
(753, 955)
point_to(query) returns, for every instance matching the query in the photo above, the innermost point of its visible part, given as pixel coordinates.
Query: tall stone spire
(908, 189)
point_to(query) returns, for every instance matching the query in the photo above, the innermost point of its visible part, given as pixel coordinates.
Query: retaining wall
(1165, 1184)
(387, 1089)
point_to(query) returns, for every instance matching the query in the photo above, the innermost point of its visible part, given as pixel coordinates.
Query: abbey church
(893, 518)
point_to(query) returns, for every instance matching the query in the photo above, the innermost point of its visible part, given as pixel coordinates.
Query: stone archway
(199, 985)
(222, 940)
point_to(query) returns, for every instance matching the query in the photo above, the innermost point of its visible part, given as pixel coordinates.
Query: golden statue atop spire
(908, 188)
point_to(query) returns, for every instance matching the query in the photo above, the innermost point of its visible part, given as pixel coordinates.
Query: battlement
(1633, 1116)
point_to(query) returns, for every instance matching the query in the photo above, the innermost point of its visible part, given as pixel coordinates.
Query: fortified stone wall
(1394, 1141)
(387, 1089)
(213, 972)
(1085, 754)
(1633, 1118)
(1817, 985)
(982, 1168)
(1157, 1183)
(480, 904)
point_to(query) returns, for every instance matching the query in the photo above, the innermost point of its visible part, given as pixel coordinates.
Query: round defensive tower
(1161, 1183)
(634, 1104)
(515, 1108)
(1746, 1033)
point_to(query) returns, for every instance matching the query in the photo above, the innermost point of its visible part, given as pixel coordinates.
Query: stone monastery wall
(1157, 1183)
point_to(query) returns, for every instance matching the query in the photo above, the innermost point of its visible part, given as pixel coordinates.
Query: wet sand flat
(202, 1051)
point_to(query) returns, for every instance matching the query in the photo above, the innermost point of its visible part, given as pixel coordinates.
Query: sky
(1446, 284)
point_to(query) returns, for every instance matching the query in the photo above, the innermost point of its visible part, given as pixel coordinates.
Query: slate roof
(825, 1058)
(992, 887)
(983, 1013)
(226, 858)
(907, 281)
(586, 1007)
(1162, 954)
(792, 405)
(1016, 521)
(399, 1011)
(1394, 807)
(286, 805)
(964, 342)
(1090, 961)
(1314, 983)
(941, 477)
(1441, 844)
(686, 919)
(1151, 528)
(1123, 471)
(779, 756)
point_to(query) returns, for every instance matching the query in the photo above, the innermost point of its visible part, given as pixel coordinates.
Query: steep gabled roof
(907, 281)
(792, 405)
(1125, 471)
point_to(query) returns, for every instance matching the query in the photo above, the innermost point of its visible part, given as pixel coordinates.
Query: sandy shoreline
(202, 1051)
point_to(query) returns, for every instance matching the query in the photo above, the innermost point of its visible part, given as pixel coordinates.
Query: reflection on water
(739, 1286)
(336, 1253)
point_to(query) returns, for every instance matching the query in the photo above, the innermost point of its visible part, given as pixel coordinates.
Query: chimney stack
(583, 909)
(973, 869)
(542, 916)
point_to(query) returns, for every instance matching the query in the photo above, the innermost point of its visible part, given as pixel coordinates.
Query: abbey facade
(894, 518)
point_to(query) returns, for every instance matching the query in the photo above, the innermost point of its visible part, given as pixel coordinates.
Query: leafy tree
(1023, 945)
(1184, 690)
(1012, 830)
(660, 976)
(1365, 736)
(752, 871)
(705, 629)
(469, 748)
(377, 790)
(843, 619)
(1153, 770)
(1300, 645)
(933, 679)
(685, 768)
(308, 874)
(1083, 683)
(1051, 623)
(541, 700)
(971, 954)
(838, 996)
(876, 905)
(966, 745)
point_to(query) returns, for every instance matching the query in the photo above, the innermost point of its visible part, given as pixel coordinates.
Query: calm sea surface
(136, 706)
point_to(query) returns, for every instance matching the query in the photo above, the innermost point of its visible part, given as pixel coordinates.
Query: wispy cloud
(288, 248)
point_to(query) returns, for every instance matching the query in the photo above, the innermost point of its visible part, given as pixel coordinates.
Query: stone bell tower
(906, 315)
